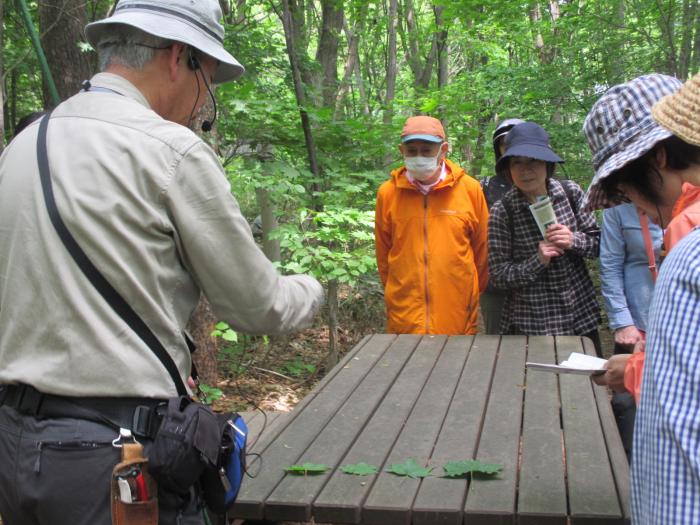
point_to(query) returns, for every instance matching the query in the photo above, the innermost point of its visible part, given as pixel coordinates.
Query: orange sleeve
(382, 238)
(633, 375)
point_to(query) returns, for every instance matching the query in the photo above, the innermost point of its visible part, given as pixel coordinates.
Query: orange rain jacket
(431, 253)
(686, 216)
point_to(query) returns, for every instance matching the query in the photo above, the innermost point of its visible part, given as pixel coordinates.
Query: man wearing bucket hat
(430, 237)
(549, 289)
(148, 203)
(639, 160)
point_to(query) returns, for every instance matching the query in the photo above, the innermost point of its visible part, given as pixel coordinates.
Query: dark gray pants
(58, 471)
(491, 303)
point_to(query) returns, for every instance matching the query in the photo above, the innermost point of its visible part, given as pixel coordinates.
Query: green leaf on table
(410, 469)
(461, 469)
(307, 468)
(359, 469)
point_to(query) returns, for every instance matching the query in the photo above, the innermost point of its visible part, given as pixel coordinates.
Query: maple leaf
(359, 469)
(410, 468)
(461, 469)
(307, 468)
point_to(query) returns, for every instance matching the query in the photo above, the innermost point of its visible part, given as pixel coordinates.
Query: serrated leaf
(359, 469)
(461, 469)
(307, 468)
(411, 469)
(221, 326)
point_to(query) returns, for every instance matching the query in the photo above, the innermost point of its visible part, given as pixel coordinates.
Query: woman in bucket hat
(549, 289)
(654, 167)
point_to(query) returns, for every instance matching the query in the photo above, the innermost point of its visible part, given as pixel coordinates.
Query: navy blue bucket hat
(528, 140)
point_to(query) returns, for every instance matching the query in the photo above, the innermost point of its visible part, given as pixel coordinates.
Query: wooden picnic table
(439, 399)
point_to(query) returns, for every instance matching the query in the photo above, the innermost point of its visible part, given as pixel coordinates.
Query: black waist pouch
(187, 443)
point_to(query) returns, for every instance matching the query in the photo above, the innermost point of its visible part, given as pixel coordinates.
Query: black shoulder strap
(116, 301)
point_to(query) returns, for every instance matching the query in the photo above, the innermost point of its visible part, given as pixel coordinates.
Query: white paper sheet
(577, 363)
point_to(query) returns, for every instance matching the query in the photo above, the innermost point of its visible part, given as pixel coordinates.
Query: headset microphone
(207, 124)
(194, 65)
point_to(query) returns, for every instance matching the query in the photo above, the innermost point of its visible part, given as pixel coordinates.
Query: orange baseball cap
(423, 128)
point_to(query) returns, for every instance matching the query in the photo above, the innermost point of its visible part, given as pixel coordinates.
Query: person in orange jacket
(431, 227)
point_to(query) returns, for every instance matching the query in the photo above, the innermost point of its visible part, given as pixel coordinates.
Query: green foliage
(307, 469)
(467, 468)
(297, 368)
(210, 393)
(224, 331)
(359, 469)
(411, 469)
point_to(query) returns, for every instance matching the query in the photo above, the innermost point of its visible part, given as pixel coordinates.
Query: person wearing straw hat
(550, 291)
(430, 237)
(647, 163)
(149, 204)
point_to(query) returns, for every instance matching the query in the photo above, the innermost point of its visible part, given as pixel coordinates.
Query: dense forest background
(310, 131)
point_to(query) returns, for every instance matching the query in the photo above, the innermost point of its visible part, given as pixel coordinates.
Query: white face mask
(421, 168)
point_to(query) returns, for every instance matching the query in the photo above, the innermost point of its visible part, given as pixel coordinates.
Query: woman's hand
(628, 336)
(560, 236)
(614, 377)
(547, 250)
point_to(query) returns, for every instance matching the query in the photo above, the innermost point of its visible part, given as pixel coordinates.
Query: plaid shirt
(666, 452)
(557, 299)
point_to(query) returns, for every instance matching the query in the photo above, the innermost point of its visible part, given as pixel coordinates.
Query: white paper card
(543, 212)
(577, 363)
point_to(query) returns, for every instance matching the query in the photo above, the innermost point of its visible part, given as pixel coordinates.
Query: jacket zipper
(425, 261)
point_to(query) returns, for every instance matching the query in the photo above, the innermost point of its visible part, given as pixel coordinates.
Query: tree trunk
(441, 48)
(62, 23)
(327, 53)
(271, 247)
(289, 33)
(205, 358)
(332, 324)
(390, 74)
(2, 75)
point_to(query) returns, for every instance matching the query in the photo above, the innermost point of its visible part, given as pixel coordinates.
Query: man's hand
(560, 236)
(547, 250)
(615, 375)
(628, 337)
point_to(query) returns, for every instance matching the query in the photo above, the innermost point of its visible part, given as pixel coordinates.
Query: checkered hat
(620, 129)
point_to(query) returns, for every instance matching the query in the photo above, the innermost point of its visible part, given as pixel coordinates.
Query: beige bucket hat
(192, 22)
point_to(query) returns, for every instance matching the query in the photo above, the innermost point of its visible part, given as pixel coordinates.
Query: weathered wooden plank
(542, 487)
(592, 491)
(616, 451)
(391, 497)
(493, 501)
(341, 499)
(305, 422)
(441, 500)
(291, 500)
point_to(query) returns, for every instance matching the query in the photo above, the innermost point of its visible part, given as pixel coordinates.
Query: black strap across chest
(106, 290)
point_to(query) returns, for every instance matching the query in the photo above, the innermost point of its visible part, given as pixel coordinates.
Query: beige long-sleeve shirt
(150, 205)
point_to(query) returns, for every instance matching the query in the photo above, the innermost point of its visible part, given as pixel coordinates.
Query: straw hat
(680, 113)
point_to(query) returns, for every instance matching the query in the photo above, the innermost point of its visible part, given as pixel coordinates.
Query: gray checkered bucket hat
(620, 129)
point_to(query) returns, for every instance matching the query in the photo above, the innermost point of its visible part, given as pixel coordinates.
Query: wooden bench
(437, 399)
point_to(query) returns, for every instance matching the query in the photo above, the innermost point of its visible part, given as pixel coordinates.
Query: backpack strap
(648, 245)
(106, 290)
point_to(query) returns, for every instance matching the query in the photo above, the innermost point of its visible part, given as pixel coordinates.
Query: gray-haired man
(149, 204)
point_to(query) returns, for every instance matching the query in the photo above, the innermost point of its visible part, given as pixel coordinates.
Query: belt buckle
(145, 421)
(28, 400)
